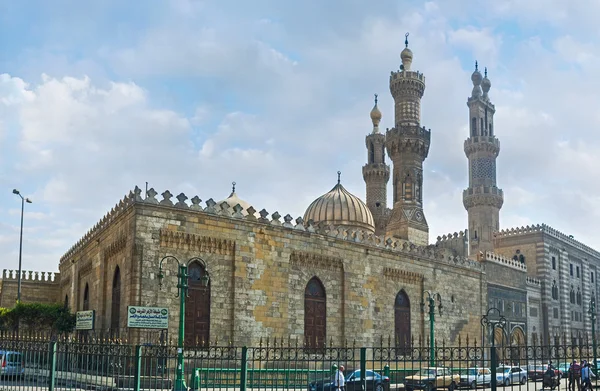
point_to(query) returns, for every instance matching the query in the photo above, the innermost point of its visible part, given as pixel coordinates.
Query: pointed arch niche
(402, 331)
(86, 297)
(315, 314)
(197, 308)
(115, 308)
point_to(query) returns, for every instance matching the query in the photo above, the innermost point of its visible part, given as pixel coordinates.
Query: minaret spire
(482, 199)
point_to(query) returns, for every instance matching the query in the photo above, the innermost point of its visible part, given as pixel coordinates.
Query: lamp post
(182, 285)
(23, 201)
(592, 312)
(493, 323)
(431, 300)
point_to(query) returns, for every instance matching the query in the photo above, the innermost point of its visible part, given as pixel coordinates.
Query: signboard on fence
(147, 317)
(85, 320)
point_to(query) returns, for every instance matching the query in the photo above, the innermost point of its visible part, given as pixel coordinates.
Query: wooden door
(197, 308)
(402, 330)
(315, 314)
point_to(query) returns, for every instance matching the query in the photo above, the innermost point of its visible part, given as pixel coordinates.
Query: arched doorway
(402, 332)
(315, 314)
(197, 307)
(86, 298)
(115, 309)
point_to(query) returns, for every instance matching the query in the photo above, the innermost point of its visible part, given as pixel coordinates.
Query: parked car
(430, 379)
(474, 377)
(511, 375)
(11, 363)
(374, 382)
(536, 372)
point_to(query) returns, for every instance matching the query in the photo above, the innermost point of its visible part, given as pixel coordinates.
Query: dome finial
(406, 55)
(375, 116)
(476, 66)
(485, 71)
(376, 94)
(232, 187)
(339, 175)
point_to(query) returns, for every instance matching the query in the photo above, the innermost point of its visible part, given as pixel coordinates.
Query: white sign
(147, 317)
(85, 320)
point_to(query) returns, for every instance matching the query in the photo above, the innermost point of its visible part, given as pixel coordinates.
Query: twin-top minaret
(407, 144)
(483, 199)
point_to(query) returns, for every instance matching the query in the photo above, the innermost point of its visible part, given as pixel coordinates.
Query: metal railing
(91, 362)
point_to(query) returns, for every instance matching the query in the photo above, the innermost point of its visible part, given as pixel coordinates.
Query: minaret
(376, 173)
(408, 145)
(483, 199)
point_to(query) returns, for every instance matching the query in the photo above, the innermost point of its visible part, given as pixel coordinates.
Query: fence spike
(296, 339)
(459, 340)
(475, 342)
(354, 343)
(217, 340)
(260, 342)
(330, 342)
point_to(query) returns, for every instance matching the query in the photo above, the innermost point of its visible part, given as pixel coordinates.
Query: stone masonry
(259, 269)
(36, 287)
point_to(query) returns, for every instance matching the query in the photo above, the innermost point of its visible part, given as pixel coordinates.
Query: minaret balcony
(483, 196)
(376, 170)
(482, 143)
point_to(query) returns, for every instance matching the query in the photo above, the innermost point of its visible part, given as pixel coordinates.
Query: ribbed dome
(233, 200)
(340, 208)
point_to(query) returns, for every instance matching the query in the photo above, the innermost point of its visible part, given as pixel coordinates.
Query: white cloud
(280, 112)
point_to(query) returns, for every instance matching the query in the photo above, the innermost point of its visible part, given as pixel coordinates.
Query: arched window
(197, 308)
(474, 127)
(572, 296)
(382, 153)
(115, 309)
(66, 305)
(491, 130)
(86, 298)
(402, 332)
(482, 128)
(315, 314)
(371, 153)
(554, 290)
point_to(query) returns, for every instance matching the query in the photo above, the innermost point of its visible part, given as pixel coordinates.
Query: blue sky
(99, 96)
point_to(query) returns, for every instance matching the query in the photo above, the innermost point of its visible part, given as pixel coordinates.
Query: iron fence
(93, 362)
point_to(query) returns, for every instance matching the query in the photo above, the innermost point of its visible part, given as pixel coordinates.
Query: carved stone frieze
(85, 268)
(115, 247)
(206, 244)
(303, 260)
(403, 276)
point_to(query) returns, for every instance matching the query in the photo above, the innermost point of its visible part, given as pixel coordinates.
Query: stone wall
(259, 268)
(36, 287)
(259, 272)
(93, 262)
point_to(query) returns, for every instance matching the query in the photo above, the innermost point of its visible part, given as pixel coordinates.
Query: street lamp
(592, 312)
(431, 299)
(182, 285)
(500, 323)
(23, 201)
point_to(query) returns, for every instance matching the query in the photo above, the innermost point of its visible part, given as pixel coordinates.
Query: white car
(474, 377)
(511, 375)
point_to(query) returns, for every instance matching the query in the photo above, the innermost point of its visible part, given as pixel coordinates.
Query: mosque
(347, 269)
